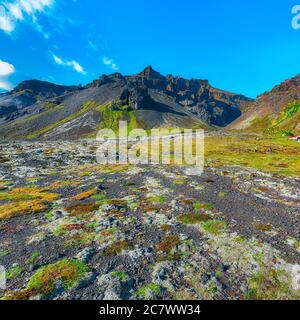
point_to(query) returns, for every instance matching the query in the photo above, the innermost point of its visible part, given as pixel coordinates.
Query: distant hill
(42, 110)
(277, 111)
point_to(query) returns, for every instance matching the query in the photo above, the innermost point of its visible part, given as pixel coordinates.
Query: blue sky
(242, 46)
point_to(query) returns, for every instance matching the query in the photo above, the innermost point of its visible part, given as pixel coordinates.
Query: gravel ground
(143, 232)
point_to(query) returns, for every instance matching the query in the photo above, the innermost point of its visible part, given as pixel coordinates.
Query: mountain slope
(277, 111)
(37, 109)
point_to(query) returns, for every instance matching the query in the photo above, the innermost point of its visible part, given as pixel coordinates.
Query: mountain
(277, 111)
(38, 109)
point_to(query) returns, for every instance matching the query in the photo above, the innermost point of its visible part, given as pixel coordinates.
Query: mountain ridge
(40, 109)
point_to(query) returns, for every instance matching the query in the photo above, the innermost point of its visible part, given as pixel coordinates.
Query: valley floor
(73, 229)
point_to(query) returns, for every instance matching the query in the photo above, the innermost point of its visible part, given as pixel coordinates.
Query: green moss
(34, 258)
(203, 206)
(67, 271)
(110, 118)
(98, 196)
(179, 181)
(152, 289)
(214, 227)
(193, 218)
(122, 276)
(157, 199)
(14, 273)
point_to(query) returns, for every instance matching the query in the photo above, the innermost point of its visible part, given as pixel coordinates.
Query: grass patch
(266, 153)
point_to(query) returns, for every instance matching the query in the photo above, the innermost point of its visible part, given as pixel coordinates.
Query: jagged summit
(150, 73)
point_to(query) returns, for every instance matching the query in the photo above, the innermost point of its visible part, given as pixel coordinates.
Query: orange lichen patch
(168, 243)
(62, 184)
(263, 189)
(85, 195)
(19, 208)
(81, 209)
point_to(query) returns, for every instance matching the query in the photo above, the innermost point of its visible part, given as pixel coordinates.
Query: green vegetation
(193, 218)
(67, 272)
(157, 199)
(35, 256)
(122, 276)
(149, 289)
(271, 284)
(14, 272)
(111, 116)
(267, 153)
(214, 227)
(203, 206)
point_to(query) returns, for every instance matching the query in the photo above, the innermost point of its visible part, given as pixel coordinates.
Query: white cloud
(110, 63)
(6, 69)
(5, 85)
(72, 63)
(13, 12)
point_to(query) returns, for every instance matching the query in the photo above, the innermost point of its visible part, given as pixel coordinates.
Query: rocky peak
(150, 73)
